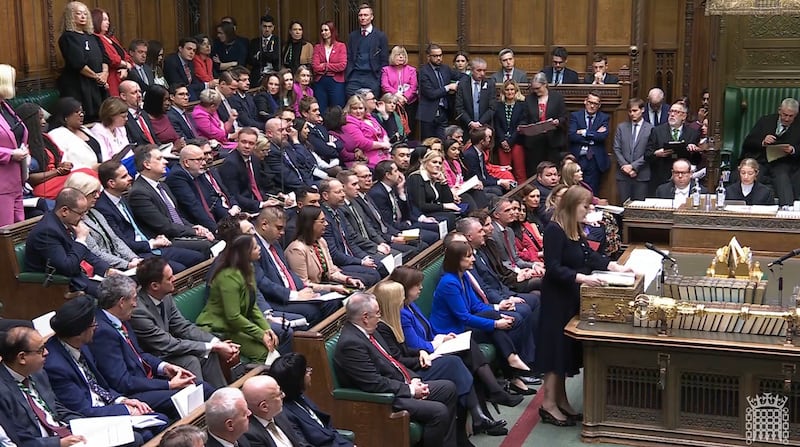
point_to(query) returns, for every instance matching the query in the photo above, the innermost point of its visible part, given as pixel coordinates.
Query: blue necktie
(476, 100)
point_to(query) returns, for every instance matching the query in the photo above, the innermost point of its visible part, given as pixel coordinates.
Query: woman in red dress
(119, 59)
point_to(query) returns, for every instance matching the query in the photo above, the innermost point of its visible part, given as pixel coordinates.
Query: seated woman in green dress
(231, 310)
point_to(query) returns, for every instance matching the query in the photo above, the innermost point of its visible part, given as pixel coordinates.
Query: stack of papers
(106, 431)
(615, 278)
(411, 234)
(645, 262)
(42, 324)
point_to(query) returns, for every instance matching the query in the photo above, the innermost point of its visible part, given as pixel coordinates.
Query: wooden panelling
(440, 24)
(570, 23)
(665, 23)
(482, 19)
(612, 23)
(526, 23)
(402, 32)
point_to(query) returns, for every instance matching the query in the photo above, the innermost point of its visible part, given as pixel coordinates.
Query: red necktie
(253, 184)
(145, 129)
(187, 72)
(203, 198)
(363, 33)
(217, 189)
(508, 76)
(282, 266)
(58, 430)
(148, 370)
(476, 287)
(391, 359)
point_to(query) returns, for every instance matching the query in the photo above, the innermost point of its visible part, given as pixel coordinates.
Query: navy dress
(563, 260)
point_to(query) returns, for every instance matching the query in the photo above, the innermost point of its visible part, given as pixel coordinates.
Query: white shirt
(747, 189)
(281, 440)
(5, 441)
(681, 195)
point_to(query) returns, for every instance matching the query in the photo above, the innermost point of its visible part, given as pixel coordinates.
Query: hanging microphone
(49, 272)
(652, 247)
(789, 255)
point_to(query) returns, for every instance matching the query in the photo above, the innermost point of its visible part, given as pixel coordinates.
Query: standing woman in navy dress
(85, 75)
(568, 262)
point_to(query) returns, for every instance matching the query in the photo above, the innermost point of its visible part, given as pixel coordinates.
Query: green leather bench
(45, 98)
(191, 302)
(33, 277)
(743, 107)
(354, 395)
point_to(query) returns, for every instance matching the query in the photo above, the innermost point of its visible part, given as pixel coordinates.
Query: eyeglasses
(39, 351)
(593, 103)
(681, 172)
(676, 112)
(196, 159)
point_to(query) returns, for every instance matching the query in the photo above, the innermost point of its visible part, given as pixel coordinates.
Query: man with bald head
(679, 187)
(657, 111)
(139, 128)
(197, 199)
(285, 171)
(268, 425)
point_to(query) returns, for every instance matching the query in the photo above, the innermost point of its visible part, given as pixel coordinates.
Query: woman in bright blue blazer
(457, 308)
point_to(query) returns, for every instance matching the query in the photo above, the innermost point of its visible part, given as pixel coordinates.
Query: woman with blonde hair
(400, 80)
(207, 121)
(748, 188)
(364, 139)
(552, 201)
(391, 296)
(428, 192)
(568, 264)
(85, 73)
(301, 86)
(13, 151)
(508, 115)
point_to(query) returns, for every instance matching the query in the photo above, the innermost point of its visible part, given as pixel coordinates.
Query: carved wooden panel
(527, 23)
(403, 32)
(570, 23)
(439, 21)
(613, 23)
(483, 16)
(665, 68)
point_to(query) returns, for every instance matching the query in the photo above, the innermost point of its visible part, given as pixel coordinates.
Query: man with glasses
(57, 244)
(558, 73)
(666, 144)
(680, 187)
(588, 130)
(285, 170)
(179, 114)
(437, 85)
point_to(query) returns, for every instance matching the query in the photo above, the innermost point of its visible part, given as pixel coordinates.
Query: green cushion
(33, 277)
(347, 434)
(191, 302)
(759, 101)
(45, 98)
(432, 273)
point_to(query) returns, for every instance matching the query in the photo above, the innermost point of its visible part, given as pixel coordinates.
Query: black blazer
(465, 101)
(258, 436)
(767, 125)
(259, 56)
(367, 240)
(174, 74)
(609, 79)
(319, 137)
(151, 213)
(234, 173)
(556, 109)
(760, 195)
(382, 201)
(133, 75)
(135, 133)
(663, 114)
(179, 124)
(248, 113)
(569, 77)
(185, 189)
(317, 435)
(430, 92)
(422, 195)
(661, 167)
(667, 190)
(505, 130)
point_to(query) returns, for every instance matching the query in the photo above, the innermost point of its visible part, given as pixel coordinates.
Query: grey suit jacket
(105, 243)
(516, 75)
(174, 337)
(513, 260)
(634, 155)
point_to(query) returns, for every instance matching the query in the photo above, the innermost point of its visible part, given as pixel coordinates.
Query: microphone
(49, 271)
(789, 255)
(652, 247)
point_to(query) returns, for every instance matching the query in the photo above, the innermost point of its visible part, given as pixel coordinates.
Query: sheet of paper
(146, 420)
(388, 262)
(217, 248)
(645, 262)
(458, 344)
(187, 399)
(106, 431)
(615, 278)
(410, 234)
(776, 151)
(594, 217)
(443, 229)
(611, 208)
(272, 356)
(753, 209)
(657, 203)
(42, 324)
(398, 260)
(325, 297)
(467, 185)
(30, 202)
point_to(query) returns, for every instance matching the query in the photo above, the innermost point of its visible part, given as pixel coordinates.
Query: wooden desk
(687, 389)
(647, 225)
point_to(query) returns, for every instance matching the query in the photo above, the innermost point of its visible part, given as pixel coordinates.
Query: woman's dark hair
(228, 30)
(38, 145)
(97, 19)
(334, 32)
(289, 31)
(154, 100)
(237, 255)
(453, 254)
(199, 38)
(415, 158)
(153, 48)
(228, 228)
(334, 118)
(407, 276)
(305, 224)
(64, 107)
(299, 123)
(289, 371)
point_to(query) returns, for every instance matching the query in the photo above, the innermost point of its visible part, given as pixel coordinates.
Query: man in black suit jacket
(367, 54)
(558, 73)
(774, 129)
(268, 425)
(139, 128)
(436, 84)
(284, 170)
(362, 362)
(366, 236)
(244, 103)
(657, 111)
(325, 144)
(153, 204)
(679, 188)
(242, 175)
(599, 75)
(179, 114)
(141, 73)
(57, 244)
(474, 157)
(178, 68)
(466, 113)
(659, 157)
(227, 418)
(265, 50)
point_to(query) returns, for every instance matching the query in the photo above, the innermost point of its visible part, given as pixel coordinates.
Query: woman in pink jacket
(208, 123)
(364, 139)
(329, 62)
(400, 79)
(301, 86)
(13, 151)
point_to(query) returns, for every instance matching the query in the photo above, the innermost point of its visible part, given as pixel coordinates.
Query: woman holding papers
(418, 334)
(428, 193)
(309, 257)
(543, 105)
(390, 296)
(231, 310)
(748, 188)
(568, 261)
(454, 170)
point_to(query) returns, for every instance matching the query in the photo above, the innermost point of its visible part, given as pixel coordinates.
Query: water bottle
(696, 194)
(720, 195)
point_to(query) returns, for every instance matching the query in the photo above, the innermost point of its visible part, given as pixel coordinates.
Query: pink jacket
(392, 79)
(357, 134)
(209, 125)
(299, 92)
(335, 65)
(453, 175)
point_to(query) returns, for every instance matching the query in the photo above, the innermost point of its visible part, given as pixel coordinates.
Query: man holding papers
(668, 142)
(474, 158)
(772, 135)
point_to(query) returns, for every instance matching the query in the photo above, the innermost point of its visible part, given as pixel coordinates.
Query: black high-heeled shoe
(490, 427)
(505, 399)
(548, 418)
(512, 388)
(576, 417)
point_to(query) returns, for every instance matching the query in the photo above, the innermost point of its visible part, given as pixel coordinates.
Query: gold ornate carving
(760, 57)
(773, 27)
(752, 7)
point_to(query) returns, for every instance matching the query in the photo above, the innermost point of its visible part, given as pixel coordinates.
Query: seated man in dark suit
(659, 154)
(140, 73)
(73, 372)
(284, 171)
(242, 173)
(780, 128)
(475, 160)
(679, 189)
(599, 75)
(179, 69)
(282, 288)
(179, 114)
(8, 433)
(152, 202)
(197, 199)
(114, 207)
(268, 425)
(325, 145)
(227, 418)
(126, 367)
(347, 210)
(558, 73)
(165, 333)
(138, 127)
(57, 244)
(36, 417)
(361, 362)
(389, 196)
(475, 97)
(243, 101)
